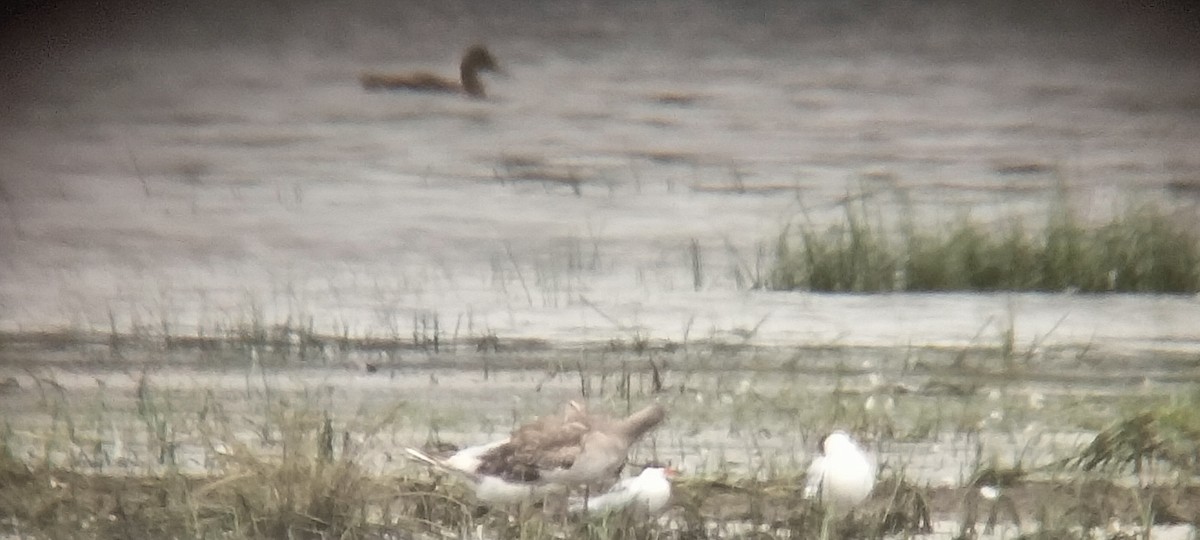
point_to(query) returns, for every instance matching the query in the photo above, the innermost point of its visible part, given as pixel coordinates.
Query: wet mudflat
(744, 420)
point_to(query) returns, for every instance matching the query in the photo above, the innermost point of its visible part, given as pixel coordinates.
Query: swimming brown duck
(475, 60)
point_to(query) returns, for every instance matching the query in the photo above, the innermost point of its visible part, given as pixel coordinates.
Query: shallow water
(186, 174)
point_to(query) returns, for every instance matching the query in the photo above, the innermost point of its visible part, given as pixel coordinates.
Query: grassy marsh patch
(309, 496)
(285, 464)
(1145, 249)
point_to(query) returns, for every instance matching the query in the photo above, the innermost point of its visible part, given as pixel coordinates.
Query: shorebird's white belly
(846, 480)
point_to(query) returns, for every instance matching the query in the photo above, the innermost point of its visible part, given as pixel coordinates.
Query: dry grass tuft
(1167, 435)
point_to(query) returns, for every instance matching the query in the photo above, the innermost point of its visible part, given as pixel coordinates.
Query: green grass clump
(848, 257)
(1145, 249)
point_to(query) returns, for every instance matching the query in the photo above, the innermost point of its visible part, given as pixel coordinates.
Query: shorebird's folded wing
(551, 449)
(552, 446)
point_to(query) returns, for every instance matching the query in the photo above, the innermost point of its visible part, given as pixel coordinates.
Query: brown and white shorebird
(475, 60)
(550, 454)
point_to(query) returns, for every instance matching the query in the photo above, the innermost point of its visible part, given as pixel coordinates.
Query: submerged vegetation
(1145, 249)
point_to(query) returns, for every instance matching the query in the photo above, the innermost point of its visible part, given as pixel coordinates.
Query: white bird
(550, 453)
(646, 494)
(842, 476)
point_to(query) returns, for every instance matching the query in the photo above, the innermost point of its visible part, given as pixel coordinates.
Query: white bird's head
(656, 471)
(837, 442)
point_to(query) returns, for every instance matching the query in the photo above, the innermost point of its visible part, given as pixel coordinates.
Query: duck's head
(477, 58)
